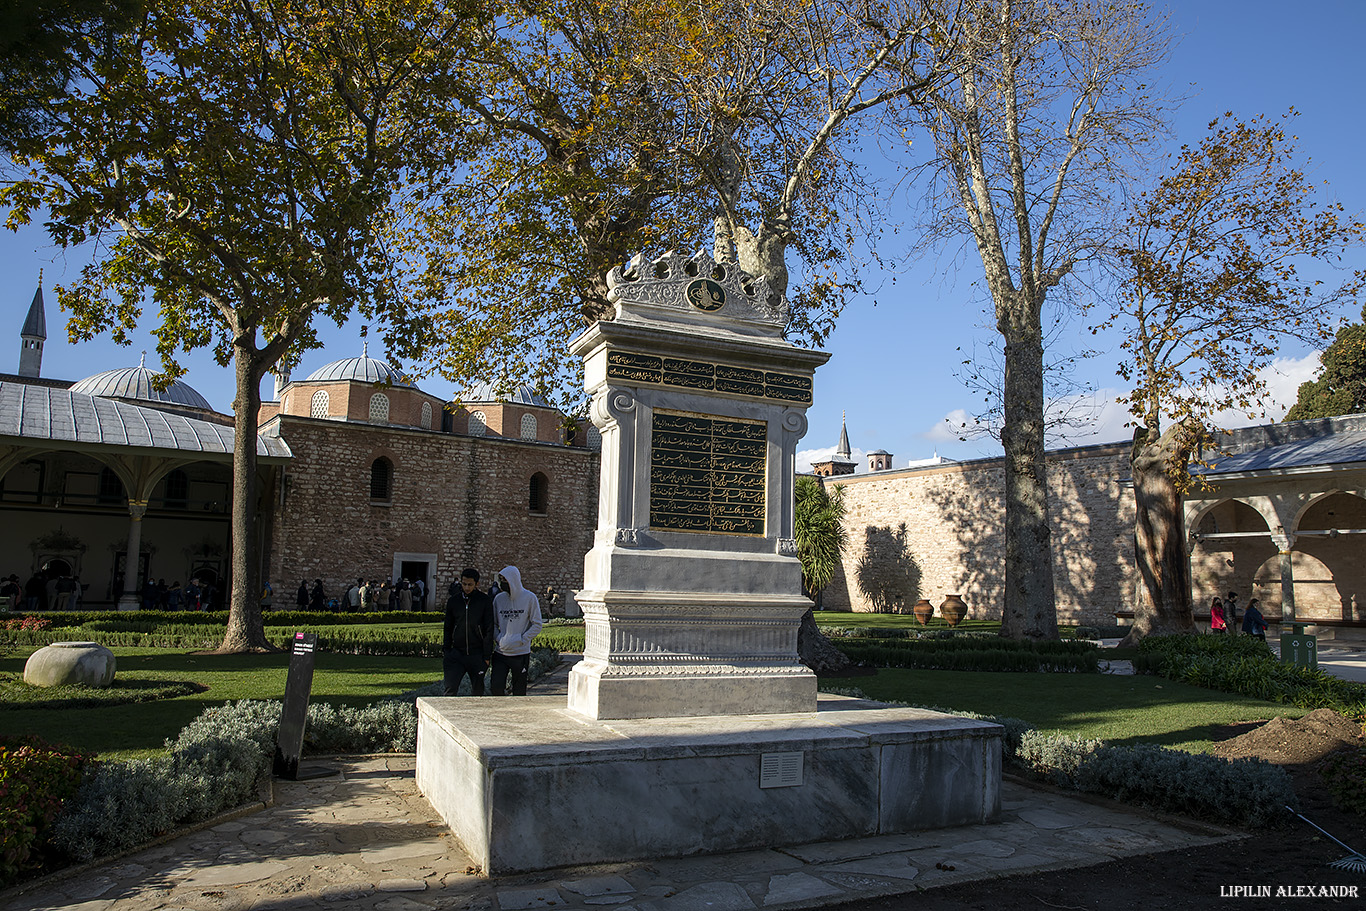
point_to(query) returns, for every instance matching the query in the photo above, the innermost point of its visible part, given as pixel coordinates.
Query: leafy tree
(1341, 386)
(821, 536)
(619, 128)
(1212, 287)
(235, 160)
(1046, 101)
(41, 42)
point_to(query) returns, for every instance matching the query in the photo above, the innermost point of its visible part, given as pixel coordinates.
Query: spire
(843, 451)
(35, 325)
(33, 335)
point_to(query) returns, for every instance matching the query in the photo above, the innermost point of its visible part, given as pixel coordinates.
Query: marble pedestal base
(526, 784)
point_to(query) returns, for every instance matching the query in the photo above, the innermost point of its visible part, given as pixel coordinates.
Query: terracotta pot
(953, 610)
(923, 610)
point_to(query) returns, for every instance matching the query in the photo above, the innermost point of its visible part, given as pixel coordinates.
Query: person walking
(317, 599)
(352, 602)
(467, 640)
(1216, 616)
(1254, 624)
(405, 595)
(1231, 613)
(301, 599)
(517, 619)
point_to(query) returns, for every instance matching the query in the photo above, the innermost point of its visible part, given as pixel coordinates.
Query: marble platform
(525, 784)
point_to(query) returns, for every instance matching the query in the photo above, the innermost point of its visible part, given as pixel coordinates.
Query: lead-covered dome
(518, 395)
(362, 370)
(134, 384)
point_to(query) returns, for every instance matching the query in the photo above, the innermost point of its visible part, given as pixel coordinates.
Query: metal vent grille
(780, 770)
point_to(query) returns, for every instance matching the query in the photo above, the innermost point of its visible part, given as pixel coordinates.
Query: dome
(362, 370)
(518, 395)
(135, 384)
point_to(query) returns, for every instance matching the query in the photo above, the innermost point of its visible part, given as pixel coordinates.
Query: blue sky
(893, 365)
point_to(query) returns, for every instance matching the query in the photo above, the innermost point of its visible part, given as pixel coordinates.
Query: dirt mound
(1294, 741)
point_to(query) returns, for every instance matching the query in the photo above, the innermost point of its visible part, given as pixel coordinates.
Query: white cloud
(955, 425)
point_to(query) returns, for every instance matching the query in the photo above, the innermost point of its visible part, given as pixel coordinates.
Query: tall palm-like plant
(820, 532)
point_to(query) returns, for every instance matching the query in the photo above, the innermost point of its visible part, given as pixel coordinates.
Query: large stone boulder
(84, 663)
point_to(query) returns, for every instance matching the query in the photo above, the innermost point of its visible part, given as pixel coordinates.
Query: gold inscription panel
(708, 474)
(650, 369)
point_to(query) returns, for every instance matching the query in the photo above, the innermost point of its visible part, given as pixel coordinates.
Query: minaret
(33, 335)
(842, 462)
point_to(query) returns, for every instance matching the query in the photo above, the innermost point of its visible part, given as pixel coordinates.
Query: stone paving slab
(366, 840)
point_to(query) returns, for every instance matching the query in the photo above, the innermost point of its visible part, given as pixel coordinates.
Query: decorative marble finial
(365, 348)
(143, 361)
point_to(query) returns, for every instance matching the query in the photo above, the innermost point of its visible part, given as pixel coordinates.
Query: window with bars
(479, 424)
(381, 480)
(594, 439)
(177, 490)
(318, 406)
(540, 494)
(528, 426)
(426, 415)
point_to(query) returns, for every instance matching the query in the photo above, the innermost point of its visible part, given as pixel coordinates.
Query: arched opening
(318, 406)
(528, 426)
(426, 415)
(1329, 538)
(540, 494)
(381, 480)
(1232, 542)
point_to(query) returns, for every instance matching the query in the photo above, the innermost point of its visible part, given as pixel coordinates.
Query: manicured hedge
(1245, 665)
(975, 653)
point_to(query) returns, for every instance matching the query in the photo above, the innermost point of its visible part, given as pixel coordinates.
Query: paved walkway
(365, 840)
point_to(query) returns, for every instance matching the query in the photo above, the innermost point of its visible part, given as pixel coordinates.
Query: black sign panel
(294, 716)
(649, 369)
(708, 474)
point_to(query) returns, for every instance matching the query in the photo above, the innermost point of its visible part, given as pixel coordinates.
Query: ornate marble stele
(692, 590)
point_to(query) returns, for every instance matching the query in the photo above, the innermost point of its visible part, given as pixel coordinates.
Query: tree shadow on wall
(887, 572)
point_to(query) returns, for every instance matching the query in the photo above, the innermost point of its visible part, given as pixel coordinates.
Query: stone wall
(929, 532)
(465, 500)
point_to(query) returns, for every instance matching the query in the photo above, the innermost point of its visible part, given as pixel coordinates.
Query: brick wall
(938, 530)
(464, 499)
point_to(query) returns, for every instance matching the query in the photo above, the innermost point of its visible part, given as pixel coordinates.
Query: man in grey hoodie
(517, 619)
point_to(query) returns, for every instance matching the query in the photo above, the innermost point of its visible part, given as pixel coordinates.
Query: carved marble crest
(695, 289)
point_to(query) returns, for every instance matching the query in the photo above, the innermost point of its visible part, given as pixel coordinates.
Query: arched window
(479, 424)
(381, 479)
(177, 490)
(528, 426)
(540, 494)
(317, 408)
(426, 415)
(594, 439)
(379, 408)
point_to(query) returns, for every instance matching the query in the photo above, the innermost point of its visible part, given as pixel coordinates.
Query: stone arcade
(691, 725)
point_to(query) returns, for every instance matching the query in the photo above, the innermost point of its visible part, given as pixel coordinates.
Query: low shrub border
(1247, 666)
(1248, 793)
(35, 779)
(974, 653)
(218, 761)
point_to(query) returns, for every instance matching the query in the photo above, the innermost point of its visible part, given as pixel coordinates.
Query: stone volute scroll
(692, 591)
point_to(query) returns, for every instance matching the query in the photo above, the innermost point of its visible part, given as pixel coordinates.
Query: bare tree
(1048, 99)
(1213, 284)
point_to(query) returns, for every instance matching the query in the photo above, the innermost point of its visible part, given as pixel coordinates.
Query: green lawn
(1118, 709)
(133, 728)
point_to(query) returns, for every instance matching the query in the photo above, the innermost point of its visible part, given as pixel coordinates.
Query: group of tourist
(364, 596)
(197, 595)
(493, 628)
(41, 592)
(1223, 617)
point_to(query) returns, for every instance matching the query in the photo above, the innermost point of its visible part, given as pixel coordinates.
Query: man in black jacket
(468, 640)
